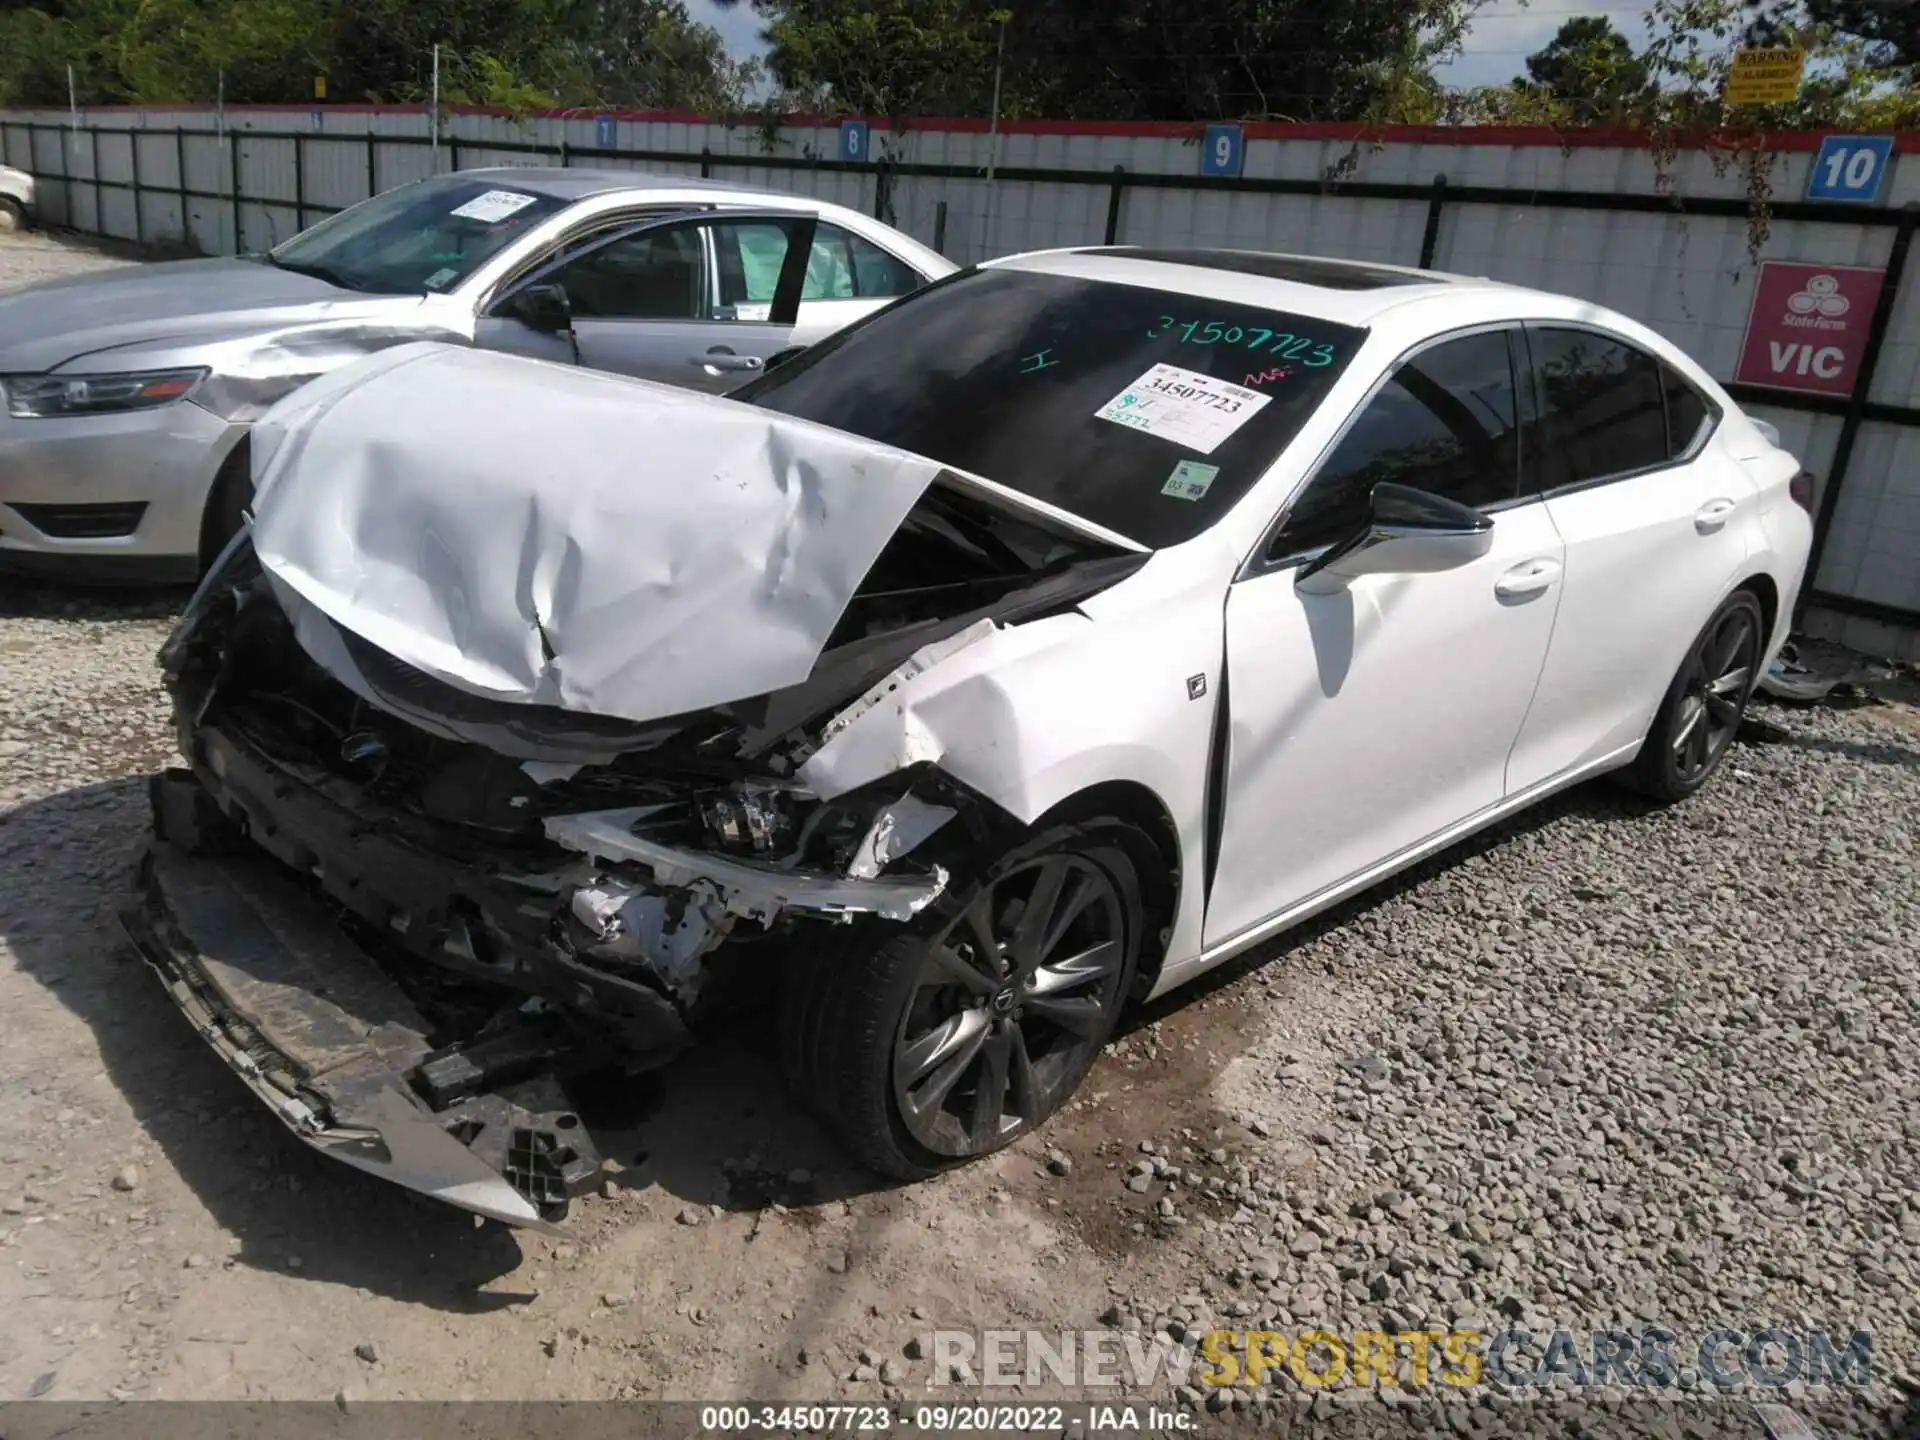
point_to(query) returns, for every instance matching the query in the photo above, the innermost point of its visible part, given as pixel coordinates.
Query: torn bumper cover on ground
(338, 1052)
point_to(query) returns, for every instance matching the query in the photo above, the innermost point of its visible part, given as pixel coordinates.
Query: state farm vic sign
(1808, 326)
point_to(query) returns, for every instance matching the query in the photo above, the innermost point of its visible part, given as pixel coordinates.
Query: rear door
(699, 302)
(1656, 532)
(848, 277)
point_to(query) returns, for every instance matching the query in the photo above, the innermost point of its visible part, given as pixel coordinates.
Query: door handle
(1530, 577)
(727, 360)
(1712, 515)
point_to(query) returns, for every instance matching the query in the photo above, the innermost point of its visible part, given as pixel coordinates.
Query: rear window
(1142, 410)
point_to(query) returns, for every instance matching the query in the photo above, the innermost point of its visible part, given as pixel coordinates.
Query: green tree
(1887, 30)
(1591, 71)
(516, 53)
(1113, 59)
(649, 54)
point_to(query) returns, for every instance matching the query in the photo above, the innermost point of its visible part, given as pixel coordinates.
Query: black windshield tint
(421, 238)
(1007, 374)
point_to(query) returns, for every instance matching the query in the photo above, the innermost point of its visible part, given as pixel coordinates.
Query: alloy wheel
(1010, 1001)
(1720, 675)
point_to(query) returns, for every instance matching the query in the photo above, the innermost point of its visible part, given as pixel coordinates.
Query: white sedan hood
(545, 535)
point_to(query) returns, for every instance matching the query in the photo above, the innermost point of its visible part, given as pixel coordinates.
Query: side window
(1446, 422)
(1687, 413)
(1601, 408)
(845, 267)
(830, 266)
(653, 275)
(876, 273)
(751, 254)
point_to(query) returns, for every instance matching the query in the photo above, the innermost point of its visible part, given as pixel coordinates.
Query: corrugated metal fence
(1585, 214)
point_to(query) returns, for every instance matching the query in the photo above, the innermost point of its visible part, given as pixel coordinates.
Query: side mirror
(1407, 532)
(540, 307)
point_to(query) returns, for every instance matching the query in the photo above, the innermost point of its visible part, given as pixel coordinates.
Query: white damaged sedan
(1029, 648)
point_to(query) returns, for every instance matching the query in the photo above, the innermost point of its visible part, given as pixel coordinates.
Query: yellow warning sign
(1765, 77)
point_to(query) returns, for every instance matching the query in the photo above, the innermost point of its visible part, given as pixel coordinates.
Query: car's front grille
(84, 522)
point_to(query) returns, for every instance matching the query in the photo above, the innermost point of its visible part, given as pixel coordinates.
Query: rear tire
(13, 219)
(921, 1050)
(1703, 708)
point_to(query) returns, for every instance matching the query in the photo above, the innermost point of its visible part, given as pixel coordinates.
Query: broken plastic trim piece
(896, 830)
(749, 889)
(671, 935)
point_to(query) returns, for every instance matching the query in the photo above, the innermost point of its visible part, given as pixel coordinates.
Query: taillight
(1801, 489)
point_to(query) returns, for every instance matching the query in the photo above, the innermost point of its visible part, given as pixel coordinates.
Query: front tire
(226, 508)
(925, 1048)
(13, 219)
(1703, 708)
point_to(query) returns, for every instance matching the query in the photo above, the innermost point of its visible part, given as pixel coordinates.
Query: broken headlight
(748, 819)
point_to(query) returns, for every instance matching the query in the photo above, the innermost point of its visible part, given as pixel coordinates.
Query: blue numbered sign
(853, 141)
(603, 133)
(1224, 149)
(1850, 167)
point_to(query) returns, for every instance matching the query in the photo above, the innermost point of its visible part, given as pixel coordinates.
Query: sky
(737, 24)
(1503, 33)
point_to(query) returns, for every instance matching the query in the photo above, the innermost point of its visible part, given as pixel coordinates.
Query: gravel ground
(1606, 1068)
(28, 258)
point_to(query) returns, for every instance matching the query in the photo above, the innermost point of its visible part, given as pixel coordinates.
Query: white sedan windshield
(418, 239)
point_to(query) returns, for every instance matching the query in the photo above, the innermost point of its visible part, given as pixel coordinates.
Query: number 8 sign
(1223, 151)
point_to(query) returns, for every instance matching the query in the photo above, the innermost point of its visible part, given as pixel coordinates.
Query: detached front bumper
(340, 1054)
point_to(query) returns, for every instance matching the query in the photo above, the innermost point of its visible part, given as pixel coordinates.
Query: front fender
(1031, 715)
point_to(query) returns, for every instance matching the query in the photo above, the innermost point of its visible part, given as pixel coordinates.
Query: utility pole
(435, 117)
(993, 128)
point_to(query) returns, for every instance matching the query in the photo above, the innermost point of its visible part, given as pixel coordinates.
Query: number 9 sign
(1222, 151)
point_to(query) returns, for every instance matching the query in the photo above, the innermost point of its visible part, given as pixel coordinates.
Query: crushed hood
(538, 534)
(48, 324)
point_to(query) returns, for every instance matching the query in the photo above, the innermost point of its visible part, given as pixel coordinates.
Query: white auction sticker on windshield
(494, 206)
(1184, 406)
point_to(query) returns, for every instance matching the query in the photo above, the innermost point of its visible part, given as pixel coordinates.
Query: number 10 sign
(1223, 151)
(1850, 167)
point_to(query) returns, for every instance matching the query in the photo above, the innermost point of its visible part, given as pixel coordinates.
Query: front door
(700, 303)
(1365, 721)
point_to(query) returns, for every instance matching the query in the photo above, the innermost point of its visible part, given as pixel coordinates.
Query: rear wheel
(1704, 706)
(12, 217)
(925, 1049)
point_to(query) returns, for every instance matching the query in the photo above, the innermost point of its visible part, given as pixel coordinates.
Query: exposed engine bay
(531, 893)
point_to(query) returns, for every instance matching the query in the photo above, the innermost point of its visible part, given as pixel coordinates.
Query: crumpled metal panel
(538, 534)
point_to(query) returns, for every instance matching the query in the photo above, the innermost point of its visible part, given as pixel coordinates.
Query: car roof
(578, 183)
(1348, 292)
(1398, 302)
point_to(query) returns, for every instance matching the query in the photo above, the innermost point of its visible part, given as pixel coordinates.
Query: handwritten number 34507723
(1295, 347)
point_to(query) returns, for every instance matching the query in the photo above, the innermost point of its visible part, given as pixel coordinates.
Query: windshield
(1142, 410)
(418, 239)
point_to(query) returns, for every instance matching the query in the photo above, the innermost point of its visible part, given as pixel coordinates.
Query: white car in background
(126, 396)
(1029, 648)
(16, 199)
